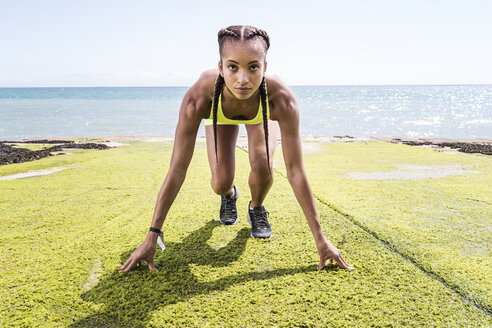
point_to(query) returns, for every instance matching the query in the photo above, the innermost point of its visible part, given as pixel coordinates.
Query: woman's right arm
(184, 145)
(191, 113)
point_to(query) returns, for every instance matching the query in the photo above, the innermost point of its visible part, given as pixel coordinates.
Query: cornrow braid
(231, 33)
(264, 107)
(251, 33)
(243, 33)
(219, 83)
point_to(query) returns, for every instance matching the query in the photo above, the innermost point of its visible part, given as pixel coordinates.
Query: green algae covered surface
(419, 247)
(443, 224)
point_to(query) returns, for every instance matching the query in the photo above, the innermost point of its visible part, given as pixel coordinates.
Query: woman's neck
(239, 109)
(240, 104)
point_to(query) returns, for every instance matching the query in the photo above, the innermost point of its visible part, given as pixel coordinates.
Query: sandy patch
(309, 148)
(95, 274)
(140, 139)
(412, 172)
(35, 173)
(114, 144)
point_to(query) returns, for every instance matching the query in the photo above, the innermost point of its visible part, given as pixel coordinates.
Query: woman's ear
(220, 68)
(264, 68)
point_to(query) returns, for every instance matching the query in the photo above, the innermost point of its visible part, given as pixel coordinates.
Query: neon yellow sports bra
(223, 120)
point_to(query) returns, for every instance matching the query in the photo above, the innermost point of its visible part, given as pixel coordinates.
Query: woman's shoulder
(206, 83)
(280, 96)
(201, 93)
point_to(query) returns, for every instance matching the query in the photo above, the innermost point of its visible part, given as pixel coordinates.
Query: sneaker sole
(237, 196)
(227, 223)
(251, 234)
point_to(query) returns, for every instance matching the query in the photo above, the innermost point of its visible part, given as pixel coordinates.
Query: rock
(10, 154)
(465, 147)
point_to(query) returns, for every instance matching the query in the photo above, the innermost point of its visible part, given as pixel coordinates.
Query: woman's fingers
(151, 265)
(143, 254)
(130, 265)
(123, 267)
(341, 262)
(338, 259)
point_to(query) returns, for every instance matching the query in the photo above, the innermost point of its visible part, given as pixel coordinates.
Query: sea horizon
(410, 111)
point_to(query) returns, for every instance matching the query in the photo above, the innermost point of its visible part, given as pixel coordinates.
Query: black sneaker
(228, 212)
(258, 218)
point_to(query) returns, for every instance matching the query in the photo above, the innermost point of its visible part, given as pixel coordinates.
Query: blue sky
(165, 43)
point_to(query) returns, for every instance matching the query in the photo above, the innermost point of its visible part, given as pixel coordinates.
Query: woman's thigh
(224, 168)
(256, 144)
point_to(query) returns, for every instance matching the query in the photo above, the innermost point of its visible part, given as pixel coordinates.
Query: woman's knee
(260, 168)
(222, 186)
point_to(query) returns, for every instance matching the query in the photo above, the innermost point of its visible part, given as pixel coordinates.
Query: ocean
(420, 111)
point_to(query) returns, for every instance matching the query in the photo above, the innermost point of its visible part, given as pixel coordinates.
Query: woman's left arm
(287, 114)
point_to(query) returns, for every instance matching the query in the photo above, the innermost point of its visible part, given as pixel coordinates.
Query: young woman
(235, 94)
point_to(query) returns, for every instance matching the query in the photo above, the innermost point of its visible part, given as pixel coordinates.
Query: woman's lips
(243, 90)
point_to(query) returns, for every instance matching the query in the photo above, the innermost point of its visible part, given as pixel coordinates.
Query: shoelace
(260, 218)
(229, 207)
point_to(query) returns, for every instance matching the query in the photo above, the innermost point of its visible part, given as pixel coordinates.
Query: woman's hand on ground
(145, 252)
(327, 251)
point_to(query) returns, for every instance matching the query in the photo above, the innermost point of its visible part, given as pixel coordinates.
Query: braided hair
(242, 33)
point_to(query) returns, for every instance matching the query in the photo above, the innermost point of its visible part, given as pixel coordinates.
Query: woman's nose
(242, 77)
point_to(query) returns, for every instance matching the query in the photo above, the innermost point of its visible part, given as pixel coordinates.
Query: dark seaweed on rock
(89, 145)
(9, 154)
(470, 147)
(465, 147)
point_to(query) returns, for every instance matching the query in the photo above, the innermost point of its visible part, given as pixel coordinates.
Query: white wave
(418, 134)
(430, 121)
(479, 121)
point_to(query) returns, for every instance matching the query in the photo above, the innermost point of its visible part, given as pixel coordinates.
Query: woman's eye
(254, 68)
(232, 67)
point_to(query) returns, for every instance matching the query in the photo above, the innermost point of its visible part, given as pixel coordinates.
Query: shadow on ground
(129, 299)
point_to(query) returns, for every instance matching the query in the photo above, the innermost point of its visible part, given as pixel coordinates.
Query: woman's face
(243, 66)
